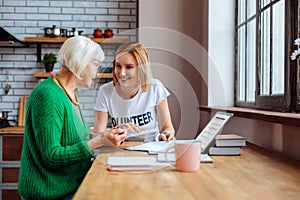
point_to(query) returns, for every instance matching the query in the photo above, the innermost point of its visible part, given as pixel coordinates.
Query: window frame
(289, 101)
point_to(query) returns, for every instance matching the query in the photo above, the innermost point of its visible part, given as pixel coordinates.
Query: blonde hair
(140, 53)
(77, 52)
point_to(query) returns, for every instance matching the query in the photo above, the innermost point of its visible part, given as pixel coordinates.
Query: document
(152, 147)
(204, 158)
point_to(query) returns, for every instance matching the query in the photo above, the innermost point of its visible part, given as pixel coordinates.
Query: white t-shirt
(140, 109)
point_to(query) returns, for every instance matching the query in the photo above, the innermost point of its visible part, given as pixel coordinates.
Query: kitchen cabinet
(11, 141)
(59, 40)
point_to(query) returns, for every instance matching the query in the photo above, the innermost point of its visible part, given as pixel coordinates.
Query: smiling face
(126, 70)
(137, 74)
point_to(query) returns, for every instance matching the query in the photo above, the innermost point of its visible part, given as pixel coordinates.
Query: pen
(117, 134)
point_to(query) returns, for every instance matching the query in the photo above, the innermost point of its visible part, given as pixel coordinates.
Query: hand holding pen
(112, 137)
(116, 136)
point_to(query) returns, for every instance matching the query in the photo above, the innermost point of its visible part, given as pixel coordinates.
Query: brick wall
(27, 18)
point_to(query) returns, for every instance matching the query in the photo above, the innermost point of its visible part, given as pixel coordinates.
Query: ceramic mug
(187, 155)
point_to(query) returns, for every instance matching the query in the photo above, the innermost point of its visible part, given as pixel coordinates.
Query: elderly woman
(134, 99)
(57, 148)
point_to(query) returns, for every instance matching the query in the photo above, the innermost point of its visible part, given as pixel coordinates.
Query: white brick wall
(27, 18)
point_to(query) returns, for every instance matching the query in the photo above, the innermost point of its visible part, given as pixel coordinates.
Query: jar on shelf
(108, 33)
(97, 33)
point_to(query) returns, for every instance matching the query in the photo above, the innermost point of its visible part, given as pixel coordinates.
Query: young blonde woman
(134, 100)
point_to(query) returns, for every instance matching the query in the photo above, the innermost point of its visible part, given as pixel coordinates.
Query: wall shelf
(59, 40)
(47, 74)
(49, 40)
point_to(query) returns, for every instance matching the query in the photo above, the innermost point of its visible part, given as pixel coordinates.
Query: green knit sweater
(55, 156)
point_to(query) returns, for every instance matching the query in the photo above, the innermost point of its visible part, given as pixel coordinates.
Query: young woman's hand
(130, 127)
(166, 136)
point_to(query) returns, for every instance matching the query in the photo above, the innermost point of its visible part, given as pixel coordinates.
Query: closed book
(230, 140)
(224, 151)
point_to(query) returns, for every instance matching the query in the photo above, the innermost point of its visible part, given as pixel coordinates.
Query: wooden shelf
(47, 74)
(41, 74)
(63, 39)
(104, 75)
(59, 40)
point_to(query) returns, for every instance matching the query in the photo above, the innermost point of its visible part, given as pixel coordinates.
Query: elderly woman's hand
(112, 137)
(116, 136)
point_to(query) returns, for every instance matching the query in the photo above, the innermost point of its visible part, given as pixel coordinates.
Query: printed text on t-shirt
(139, 120)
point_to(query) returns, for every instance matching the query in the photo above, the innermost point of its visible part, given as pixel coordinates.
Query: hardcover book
(230, 140)
(224, 151)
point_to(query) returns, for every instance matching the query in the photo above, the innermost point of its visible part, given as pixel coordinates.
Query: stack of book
(227, 144)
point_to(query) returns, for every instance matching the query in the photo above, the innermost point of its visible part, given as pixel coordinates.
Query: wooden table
(256, 174)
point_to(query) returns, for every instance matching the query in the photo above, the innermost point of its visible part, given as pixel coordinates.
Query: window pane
(263, 3)
(265, 53)
(251, 8)
(278, 48)
(241, 11)
(241, 65)
(251, 60)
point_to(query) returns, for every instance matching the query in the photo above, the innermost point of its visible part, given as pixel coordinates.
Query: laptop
(212, 129)
(206, 136)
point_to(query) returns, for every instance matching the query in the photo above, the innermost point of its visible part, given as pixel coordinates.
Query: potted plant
(49, 60)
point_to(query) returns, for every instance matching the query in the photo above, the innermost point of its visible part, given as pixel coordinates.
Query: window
(266, 78)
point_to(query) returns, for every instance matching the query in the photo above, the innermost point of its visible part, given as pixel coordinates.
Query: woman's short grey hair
(77, 52)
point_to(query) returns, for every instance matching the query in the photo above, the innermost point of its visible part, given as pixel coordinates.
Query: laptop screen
(212, 129)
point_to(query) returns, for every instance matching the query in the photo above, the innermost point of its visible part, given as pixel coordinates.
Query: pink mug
(187, 155)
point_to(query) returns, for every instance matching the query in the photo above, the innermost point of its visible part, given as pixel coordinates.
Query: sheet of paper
(151, 146)
(204, 158)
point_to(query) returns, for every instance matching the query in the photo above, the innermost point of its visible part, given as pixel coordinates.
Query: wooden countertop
(12, 130)
(256, 174)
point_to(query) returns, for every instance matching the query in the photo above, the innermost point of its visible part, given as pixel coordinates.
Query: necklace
(76, 102)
